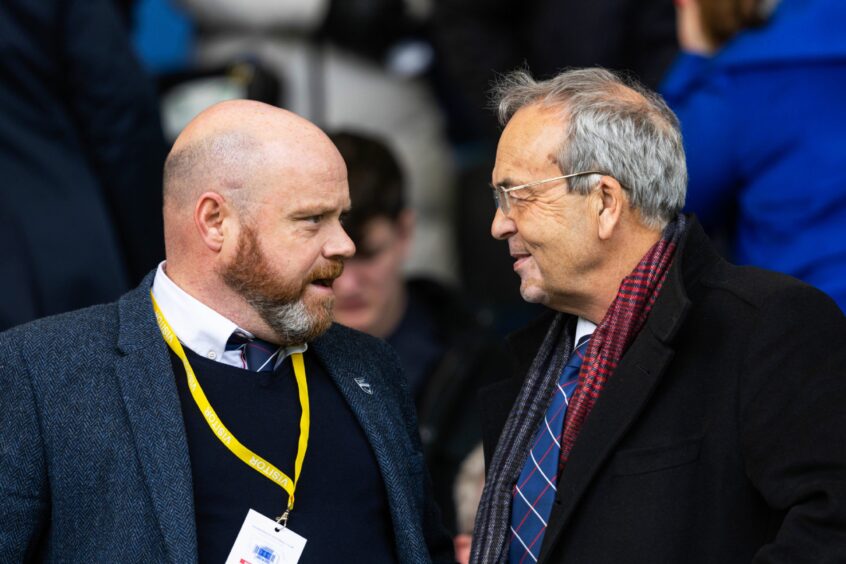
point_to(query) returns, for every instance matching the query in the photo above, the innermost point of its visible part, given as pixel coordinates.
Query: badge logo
(264, 554)
(364, 385)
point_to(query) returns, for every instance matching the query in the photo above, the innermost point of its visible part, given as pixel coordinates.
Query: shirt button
(212, 355)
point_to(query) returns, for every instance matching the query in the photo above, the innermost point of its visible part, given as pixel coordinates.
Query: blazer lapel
(358, 383)
(146, 380)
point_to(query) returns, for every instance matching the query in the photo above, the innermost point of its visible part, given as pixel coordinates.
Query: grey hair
(613, 125)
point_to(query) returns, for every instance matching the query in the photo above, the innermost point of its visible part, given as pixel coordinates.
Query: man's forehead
(529, 145)
(313, 195)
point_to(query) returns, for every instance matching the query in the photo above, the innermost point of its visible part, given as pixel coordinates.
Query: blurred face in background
(370, 294)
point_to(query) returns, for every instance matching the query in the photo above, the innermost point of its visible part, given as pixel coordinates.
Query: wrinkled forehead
(529, 144)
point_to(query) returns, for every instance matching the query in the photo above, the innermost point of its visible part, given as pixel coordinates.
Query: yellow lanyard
(247, 456)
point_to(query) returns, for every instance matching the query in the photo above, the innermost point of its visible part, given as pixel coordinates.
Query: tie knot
(237, 340)
(578, 356)
(257, 355)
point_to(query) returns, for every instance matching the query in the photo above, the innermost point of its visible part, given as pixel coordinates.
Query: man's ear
(610, 199)
(209, 215)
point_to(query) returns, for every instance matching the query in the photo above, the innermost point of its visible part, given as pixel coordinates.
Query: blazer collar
(145, 376)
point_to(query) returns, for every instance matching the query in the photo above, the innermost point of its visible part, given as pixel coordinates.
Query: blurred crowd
(92, 92)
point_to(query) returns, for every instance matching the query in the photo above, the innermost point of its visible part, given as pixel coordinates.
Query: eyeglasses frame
(503, 202)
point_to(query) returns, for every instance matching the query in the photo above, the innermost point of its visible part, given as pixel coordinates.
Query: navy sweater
(341, 506)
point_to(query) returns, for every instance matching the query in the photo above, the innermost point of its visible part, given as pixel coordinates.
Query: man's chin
(322, 315)
(531, 292)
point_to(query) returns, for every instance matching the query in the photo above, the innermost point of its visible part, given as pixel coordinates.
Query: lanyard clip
(283, 519)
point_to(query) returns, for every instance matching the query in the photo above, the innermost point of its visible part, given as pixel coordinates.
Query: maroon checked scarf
(621, 324)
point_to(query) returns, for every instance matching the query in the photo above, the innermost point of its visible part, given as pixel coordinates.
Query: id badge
(259, 542)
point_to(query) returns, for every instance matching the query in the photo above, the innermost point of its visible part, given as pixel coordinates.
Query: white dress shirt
(583, 327)
(199, 327)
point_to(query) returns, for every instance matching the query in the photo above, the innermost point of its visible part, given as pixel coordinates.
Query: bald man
(215, 413)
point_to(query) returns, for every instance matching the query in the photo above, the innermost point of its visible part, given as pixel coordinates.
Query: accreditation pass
(263, 541)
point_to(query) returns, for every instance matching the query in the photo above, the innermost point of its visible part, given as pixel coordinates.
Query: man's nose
(502, 226)
(339, 244)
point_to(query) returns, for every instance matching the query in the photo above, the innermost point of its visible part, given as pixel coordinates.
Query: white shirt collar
(583, 327)
(199, 327)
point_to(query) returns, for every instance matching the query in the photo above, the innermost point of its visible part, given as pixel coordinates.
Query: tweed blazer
(718, 439)
(94, 463)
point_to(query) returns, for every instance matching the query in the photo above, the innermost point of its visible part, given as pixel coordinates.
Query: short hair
(613, 125)
(375, 178)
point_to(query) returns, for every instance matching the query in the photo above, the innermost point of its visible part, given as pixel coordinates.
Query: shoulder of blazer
(60, 340)
(64, 341)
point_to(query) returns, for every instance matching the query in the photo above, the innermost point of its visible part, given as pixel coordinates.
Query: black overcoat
(720, 437)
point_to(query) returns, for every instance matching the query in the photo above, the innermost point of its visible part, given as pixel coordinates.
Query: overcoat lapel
(626, 392)
(379, 423)
(622, 400)
(145, 376)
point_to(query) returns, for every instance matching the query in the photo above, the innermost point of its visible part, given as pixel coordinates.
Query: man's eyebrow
(312, 209)
(504, 183)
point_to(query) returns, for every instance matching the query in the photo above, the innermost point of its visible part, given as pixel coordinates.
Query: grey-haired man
(671, 407)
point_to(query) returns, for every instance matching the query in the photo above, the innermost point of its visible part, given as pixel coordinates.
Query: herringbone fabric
(535, 490)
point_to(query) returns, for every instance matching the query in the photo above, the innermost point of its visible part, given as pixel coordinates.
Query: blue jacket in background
(764, 124)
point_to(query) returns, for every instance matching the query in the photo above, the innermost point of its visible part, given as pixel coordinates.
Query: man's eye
(314, 218)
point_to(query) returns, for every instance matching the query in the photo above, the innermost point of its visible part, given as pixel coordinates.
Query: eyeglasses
(503, 202)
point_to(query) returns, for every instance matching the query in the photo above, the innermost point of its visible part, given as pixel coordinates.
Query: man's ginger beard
(279, 303)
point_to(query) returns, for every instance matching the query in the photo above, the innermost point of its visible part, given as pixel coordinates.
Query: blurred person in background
(759, 90)
(356, 65)
(81, 154)
(479, 39)
(468, 491)
(445, 350)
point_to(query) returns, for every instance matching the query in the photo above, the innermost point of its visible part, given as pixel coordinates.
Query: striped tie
(535, 488)
(256, 355)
